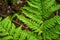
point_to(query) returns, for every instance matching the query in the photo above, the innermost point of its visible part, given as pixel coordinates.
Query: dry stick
(2, 15)
(16, 22)
(57, 12)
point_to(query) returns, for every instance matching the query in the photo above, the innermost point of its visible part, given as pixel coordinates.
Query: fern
(36, 11)
(51, 28)
(30, 23)
(43, 7)
(9, 31)
(6, 30)
(35, 19)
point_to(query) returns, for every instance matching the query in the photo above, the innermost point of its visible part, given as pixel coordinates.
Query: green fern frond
(6, 29)
(35, 10)
(49, 23)
(51, 28)
(29, 23)
(51, 10)
(52, 32)
(49, 6)
(9, 31)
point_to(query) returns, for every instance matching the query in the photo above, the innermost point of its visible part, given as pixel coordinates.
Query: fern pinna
(37, 18)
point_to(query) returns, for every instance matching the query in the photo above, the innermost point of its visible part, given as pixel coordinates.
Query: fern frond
(30, 23)
(49, 6)
(9, 31)
(52, 33)
(49, 23)
(6, 29)
(51, 28)
(51, 10)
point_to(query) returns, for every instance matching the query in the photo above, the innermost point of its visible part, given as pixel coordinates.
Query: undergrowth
(37, 18)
